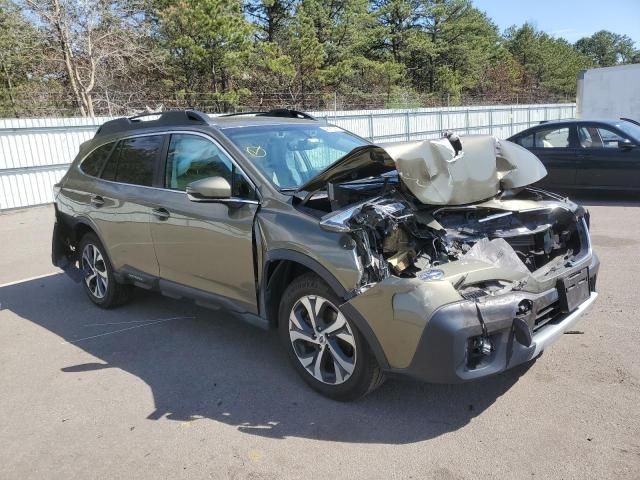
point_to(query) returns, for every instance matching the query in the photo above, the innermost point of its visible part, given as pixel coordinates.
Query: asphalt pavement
(160, 388)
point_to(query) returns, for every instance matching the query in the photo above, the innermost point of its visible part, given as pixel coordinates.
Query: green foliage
(605, 49)
(22, 63)
(229, 54)
(549, 64)
(208, 41)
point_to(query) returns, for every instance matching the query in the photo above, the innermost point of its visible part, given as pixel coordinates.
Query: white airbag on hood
(437, 176)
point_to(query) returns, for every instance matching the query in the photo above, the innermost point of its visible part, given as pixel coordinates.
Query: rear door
(555, 147)
(122, 200)
(602, 162)
(207, 246)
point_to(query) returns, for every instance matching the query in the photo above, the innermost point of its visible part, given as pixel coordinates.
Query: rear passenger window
(95, 160)
(552, 138)
(134, 160)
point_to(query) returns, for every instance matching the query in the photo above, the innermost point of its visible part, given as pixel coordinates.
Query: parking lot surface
(161, 388)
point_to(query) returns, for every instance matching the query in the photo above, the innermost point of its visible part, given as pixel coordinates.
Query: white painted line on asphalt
(30, 279)
(149, 323)
(120, 323)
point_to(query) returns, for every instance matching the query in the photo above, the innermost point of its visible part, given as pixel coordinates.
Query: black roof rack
(276, 112)
(630, 120)
(165, 119)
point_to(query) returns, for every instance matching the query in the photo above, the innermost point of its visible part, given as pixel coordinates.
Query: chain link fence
(118, 103)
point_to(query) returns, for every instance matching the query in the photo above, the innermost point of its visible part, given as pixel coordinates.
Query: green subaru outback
(435, 259)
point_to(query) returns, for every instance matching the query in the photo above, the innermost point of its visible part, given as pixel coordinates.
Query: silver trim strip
(552, 332)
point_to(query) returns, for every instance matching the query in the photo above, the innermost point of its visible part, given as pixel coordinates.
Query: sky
(570, 19)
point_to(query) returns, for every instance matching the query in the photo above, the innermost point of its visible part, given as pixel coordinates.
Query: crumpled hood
(437, 176)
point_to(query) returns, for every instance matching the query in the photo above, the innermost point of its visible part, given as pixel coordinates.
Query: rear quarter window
(134, 160)
(93, 163)
(525, 141)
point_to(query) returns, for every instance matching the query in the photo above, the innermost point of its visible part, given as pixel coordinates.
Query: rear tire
(324, 345)
(99, 281)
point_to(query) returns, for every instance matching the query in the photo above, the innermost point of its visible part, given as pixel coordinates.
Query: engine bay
(396, 235)
(444, 203)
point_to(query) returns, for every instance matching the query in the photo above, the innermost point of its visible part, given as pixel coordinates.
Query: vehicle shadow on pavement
(200, 363)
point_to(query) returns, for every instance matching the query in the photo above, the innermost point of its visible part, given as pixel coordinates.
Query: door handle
(97, 201)
(161, 213)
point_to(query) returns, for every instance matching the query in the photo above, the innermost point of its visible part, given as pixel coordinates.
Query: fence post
(511, 128)
(407, 126)
(528, 116)
(466, 121)
(491, 121)
(371, 127)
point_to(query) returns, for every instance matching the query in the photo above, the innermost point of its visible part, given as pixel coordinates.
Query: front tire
(324, 345)
(98, 280)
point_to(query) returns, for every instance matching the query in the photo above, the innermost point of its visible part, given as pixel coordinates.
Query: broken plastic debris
(497, 252)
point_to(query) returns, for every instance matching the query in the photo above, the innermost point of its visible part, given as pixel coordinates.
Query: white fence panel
(35, 153)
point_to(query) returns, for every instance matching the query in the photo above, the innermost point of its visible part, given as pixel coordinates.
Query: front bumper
(444, 353)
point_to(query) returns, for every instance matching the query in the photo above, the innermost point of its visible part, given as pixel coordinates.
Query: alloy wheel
(95, 271)
(322, 339)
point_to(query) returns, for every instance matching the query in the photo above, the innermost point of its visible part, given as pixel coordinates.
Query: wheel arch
(83, 225)
(282, 266)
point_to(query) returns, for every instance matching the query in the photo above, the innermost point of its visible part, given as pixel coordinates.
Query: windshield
(630, 129)
(291, 154)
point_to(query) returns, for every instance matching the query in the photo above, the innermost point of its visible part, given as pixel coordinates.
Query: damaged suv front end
(465, 270)
(434, 259)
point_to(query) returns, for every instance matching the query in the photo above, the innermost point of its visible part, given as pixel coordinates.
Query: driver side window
(191, 158)
(598, 137)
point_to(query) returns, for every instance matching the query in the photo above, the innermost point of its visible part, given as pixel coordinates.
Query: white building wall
(609, 93)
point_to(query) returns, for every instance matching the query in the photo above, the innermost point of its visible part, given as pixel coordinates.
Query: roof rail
(276, 112)
(630, 120)
(165, 119)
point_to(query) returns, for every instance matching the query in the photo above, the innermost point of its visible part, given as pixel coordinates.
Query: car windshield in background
(290, 155)
(630, 129)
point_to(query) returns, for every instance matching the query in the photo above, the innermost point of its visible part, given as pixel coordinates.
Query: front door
(602, 162)
(205, 246)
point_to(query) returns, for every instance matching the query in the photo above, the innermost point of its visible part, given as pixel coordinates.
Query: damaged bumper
(447, 350)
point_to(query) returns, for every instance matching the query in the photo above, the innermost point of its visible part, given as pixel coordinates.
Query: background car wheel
(324, 346)
(98, 279)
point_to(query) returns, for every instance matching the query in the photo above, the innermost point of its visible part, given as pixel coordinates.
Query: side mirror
(209, 189)
(625, 144)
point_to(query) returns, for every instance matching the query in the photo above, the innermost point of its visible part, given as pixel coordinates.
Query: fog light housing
(478, 349)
